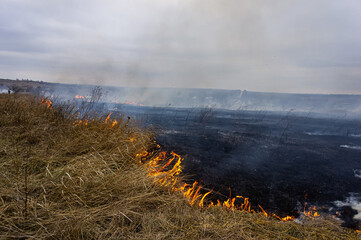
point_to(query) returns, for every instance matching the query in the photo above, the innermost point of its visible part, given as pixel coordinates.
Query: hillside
(62, 178)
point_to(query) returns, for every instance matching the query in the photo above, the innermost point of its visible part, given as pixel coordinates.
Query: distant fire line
(116, 102)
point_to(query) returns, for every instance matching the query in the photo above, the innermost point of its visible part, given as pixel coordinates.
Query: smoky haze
(307, 46)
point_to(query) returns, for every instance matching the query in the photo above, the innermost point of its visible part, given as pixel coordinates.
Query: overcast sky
(311, 46)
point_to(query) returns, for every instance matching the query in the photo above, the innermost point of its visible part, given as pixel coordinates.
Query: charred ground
(278, 160)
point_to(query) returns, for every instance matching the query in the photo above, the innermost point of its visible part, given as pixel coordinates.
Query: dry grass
(61, 181)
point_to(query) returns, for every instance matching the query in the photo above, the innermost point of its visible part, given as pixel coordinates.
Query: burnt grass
(278, 160)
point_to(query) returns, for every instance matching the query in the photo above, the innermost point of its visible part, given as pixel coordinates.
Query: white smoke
(353, 201)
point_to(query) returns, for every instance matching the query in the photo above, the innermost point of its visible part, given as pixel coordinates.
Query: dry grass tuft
(64, 181)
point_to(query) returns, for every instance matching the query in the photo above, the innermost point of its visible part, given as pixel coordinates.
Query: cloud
(284, 46)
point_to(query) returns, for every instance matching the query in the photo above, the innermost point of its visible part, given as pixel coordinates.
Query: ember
(311, 213)
(80, 122)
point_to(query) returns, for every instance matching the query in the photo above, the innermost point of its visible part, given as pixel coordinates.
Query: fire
(107, 119)
(81, 122)
(284, 219)
(112, 122)
(165, 170)
(47, 102)
(115, 122)
(133, 103)
(202, 199)
(79, 97)
(311, 213)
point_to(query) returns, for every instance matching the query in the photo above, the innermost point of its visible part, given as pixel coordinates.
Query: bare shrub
(206, 114)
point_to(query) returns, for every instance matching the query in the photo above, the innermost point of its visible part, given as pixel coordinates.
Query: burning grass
(65, 179)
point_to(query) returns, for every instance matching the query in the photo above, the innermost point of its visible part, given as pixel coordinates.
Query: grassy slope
(60, 181)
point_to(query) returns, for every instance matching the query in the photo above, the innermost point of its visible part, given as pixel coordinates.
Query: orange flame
(106, 120)
(132, 103)
(114, 123)
(46, 102)
(284, 219)
(159, 167)
(311, 213)
(80, 123)
(79, 97)
(202, 199)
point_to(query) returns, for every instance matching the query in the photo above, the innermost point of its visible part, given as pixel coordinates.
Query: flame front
(165, 170)
(47, 102)
(107, 119)
(79, 97)
(110, 122)
(311, 212)
(133, 103)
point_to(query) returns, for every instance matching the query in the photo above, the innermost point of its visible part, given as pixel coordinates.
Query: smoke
(353, 201)
(309, 46)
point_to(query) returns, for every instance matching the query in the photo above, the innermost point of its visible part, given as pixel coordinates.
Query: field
(61, 180)
(281, 161)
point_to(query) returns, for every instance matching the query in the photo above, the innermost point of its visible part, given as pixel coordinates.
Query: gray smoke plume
(279, 46)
